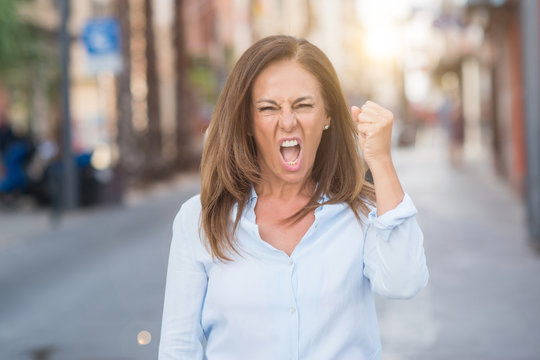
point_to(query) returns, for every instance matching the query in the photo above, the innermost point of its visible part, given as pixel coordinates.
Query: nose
(287, 120)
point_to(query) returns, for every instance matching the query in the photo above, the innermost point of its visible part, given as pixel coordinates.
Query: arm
(394, 259)
(181, 329)
(374, 124)
(388, 191)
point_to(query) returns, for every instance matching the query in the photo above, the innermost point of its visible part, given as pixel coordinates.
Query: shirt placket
(293, 307)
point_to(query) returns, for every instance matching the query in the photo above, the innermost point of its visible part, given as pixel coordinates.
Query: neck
(284, 191)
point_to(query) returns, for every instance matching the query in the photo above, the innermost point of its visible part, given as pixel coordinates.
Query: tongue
(290, 153)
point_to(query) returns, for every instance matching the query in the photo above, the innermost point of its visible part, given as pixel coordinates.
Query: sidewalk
(483, 298)
(29, 222)
(91, 284)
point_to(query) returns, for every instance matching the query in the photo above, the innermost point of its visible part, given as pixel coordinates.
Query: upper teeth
(289, 143)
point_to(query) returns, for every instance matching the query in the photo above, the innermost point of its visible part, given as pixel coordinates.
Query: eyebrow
(300, 99)
(267, 101)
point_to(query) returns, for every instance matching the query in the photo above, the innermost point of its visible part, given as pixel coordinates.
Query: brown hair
(230, 167)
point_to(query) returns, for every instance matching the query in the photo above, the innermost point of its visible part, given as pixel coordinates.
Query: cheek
(263, 134)
(313, 124)
(314, 142)
(264, 125)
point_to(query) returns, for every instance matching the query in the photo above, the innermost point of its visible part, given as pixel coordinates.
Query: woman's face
(289, 116)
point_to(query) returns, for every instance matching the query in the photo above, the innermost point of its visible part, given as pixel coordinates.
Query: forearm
(394, 254)
(388, 189)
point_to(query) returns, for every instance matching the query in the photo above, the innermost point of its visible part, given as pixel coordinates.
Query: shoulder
(192, 205)
(189, 213)
(186, 226)
(363, 208)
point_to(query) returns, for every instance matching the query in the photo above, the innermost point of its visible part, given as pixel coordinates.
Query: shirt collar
(253, 197)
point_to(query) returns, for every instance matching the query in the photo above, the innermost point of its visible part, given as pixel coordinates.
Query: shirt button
(291, 263)
(292, 310)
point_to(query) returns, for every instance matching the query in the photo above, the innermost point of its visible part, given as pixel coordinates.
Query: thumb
(355, 111)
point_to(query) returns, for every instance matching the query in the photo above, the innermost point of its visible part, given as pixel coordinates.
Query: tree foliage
(19, 42)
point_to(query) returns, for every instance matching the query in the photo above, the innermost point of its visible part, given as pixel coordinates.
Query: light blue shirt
(317, 303)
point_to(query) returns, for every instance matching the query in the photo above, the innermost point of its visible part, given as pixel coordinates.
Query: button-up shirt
(317, 303)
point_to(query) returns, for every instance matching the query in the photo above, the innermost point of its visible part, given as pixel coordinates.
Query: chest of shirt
(326, 264)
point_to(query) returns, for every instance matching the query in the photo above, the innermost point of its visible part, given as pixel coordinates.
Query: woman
(280, 255)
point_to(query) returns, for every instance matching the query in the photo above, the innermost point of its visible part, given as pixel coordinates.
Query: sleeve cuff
(394, 217)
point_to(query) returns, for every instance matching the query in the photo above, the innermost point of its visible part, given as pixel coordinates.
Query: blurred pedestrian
(457, 133)
(7, 136)
(450, 114)
(281, 254)
(15, 151)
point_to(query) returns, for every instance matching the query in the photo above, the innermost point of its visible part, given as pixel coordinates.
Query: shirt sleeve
(181, 330)
(394, 259)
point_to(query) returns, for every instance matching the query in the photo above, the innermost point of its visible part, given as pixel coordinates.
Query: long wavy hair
(230, 167)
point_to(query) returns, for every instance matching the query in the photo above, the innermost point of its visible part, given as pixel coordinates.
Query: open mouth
(290, 152)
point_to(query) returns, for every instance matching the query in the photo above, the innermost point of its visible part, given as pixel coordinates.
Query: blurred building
(496, 61)
(451, 63)
(127, 113)
(481, 58)
(500, 59)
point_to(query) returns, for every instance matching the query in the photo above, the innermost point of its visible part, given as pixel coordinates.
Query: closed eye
(267, 108)
(304, 106)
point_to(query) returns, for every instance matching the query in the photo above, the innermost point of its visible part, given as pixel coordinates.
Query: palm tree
(129, 161)
(184, 98)
(153, 141)
(29, 67)
(19, 44)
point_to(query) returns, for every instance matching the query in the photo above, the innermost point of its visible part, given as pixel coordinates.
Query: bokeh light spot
(144, 337)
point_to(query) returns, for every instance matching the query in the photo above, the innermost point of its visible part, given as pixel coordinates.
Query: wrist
(381, 164)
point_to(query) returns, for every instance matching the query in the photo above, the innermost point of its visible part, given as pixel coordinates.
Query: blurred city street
(481, 302)
(104, 106)
(87, 288)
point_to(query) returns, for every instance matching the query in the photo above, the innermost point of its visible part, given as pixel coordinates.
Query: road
(87, 288)
(483, 297)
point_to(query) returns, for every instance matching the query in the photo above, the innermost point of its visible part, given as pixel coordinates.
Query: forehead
(284, 79)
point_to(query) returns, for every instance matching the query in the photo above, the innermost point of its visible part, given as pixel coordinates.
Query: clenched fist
(374, 124)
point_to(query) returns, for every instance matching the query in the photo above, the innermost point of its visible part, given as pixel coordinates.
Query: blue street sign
(102, 36)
